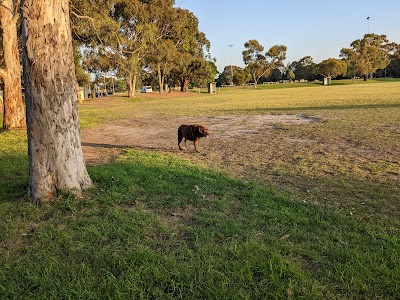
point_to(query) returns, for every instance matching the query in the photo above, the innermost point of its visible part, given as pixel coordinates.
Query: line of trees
(150, 40)
(371, 55)
(142, 40)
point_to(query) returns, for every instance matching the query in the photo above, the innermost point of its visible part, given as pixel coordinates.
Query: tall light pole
(230, 52)
(368, 24)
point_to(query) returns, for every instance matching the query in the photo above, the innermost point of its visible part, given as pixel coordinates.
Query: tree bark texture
(14, 109)
(54, 147)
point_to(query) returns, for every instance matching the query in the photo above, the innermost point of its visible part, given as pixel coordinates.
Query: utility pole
(230, 52)
(368, 24)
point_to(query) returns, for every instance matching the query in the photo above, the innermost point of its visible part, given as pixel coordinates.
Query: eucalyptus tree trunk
(131, 85)
(255, 80)
(14, 110)
(160, 78)
(54, 147)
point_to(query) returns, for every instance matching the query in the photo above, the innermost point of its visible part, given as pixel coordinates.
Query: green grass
(157, 226)
(13, 165)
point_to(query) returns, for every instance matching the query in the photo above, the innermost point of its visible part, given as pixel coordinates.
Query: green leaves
(257, 63)
(332, 67)
(367, 55)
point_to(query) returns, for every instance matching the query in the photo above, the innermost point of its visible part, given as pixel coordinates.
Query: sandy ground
(103, 143)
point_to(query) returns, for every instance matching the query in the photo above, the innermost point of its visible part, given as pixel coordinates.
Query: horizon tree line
(371, 55)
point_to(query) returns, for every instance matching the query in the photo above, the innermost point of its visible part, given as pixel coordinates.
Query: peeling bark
(14, 110)
(54, 147)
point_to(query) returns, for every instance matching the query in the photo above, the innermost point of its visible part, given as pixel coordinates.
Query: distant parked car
(147, 89)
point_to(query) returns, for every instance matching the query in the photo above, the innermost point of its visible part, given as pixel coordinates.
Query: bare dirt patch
(297, 153)
(103, 143)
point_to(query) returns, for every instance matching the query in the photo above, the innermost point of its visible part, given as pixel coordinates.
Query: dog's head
(203, 131)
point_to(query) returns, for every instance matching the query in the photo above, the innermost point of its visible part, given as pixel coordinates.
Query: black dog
(192, 133)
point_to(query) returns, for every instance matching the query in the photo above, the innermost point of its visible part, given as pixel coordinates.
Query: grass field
(304, 212)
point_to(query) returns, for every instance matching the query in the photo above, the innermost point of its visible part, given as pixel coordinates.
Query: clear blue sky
(306, 27)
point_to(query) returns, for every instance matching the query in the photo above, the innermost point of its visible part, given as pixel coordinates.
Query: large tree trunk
(54, 147)
(14, 110)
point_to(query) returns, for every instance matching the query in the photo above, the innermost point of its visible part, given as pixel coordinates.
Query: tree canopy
(367, 55)
(134, 37)
(304, 68)
(259, 64)
(332, 67)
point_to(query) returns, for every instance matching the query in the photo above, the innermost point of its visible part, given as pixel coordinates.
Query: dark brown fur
(192, 133)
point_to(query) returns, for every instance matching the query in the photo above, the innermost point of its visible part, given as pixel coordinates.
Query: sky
(319, 29)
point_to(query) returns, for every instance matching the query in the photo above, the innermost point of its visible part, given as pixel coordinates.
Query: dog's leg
(196, 144)
(180, 137)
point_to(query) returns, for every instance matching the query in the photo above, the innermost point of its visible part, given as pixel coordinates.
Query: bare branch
(83, 17)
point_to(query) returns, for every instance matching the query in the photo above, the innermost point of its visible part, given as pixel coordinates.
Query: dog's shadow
(126, 147)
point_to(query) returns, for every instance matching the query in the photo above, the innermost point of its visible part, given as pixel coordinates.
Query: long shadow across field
(308, 108)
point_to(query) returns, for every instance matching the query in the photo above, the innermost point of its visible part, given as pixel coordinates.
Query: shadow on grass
(158, 227)
(13, 177)
(313, 108)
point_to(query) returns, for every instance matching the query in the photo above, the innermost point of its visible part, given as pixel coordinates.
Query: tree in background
(136, 34)
(254, 59)
(367, 55)
(393, 68)
(304, 69)
(257, 63)
(92, 26)
(332, 67)
(190, 63)
(228, 74)
(82, 78)
(54, 148)
(10, 71)
(160, 55)
(161, 58)
(275, 75)
(132, 37)
(289, 74)
(240, 76)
